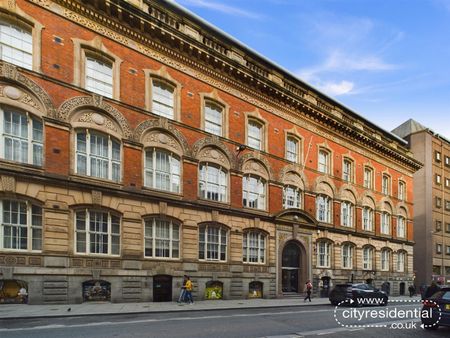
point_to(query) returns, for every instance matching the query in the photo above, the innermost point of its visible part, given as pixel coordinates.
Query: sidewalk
(17, 311)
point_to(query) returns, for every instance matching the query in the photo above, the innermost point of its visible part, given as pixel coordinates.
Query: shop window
(96, 290)
(255, 290)
(214, 290)
(13, 291)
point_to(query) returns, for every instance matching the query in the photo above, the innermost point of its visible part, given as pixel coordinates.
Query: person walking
(431, 290)
(189, 287)
(182, 298)
(308, 287)
(412, 290)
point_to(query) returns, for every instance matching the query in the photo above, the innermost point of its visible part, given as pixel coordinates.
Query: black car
(436, 310)
(357, 295)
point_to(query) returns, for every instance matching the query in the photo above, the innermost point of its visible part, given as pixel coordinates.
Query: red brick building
(139, 143)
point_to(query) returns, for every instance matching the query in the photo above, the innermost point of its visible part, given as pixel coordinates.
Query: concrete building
(139, 143)
(432, 202)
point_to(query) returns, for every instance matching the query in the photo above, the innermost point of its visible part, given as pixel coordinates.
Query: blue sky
(388, 60)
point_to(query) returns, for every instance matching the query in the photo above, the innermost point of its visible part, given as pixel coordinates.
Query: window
(401, 258)
(367, 219)
(438, 179)
(346, 214)
(385, 260)
(213, 118)
(438, 202)
(437, 156)
(385, 187)
(292, 147)
(447, 161)
(21, 226)
(401, 190)
(16, 45)
(97, 155)
(368, 178)
(162, 238)
(254, 192)
(447, 182)
(347, 171)
(323, 254)
(323, 206)
(99, 76)
(254, 247)
(436, 270)
(212, 243)
(447, 205)
(347, 256)
(97, 232)
(255, 135)
(213, 182)
(438, 225)
(447, 227)
(367, 258)
(292, 197)
(162, 170)
(163, 99)
(385, 223)
(21, 138)
(447, 250)
(438, 248)
(401, 227)
(324, 162)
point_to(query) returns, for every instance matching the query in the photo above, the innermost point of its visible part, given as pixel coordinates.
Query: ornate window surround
(214, 98)
(257, 117)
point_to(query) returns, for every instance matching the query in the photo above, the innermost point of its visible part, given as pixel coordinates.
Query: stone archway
(294, 267)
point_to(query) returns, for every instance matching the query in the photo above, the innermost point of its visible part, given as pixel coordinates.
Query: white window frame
(33, 137)
(99, 73)
(401, 190)
(210, 188)
(347, 256)
(347, 170)
(220, 245)
(21, 50)
(323, 208)
(174, 172)
(211, 124)
(292, 195)
(385, 184)
(261, 200)
(401, 227)
(368, 178)
(368, 218)
(87, 232)
(367, 258)
(255, 139)
(254, 245)
(158, 99)
(385, 260)
(154, 238)
(323, 254)
(385, 228)
(323, 162)
(347, 210)
(292, 149)
(401, 259)
(33, 214)
(88, 155)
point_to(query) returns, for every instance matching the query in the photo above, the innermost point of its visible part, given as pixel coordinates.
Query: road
(284, 322)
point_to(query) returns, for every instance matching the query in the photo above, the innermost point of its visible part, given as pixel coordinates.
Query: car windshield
(446, 296)
(437, 295)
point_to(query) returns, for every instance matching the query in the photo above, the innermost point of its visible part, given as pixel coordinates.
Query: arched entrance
(290, 268)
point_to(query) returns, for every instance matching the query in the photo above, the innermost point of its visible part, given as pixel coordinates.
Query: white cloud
(220, 7)
(336, 89)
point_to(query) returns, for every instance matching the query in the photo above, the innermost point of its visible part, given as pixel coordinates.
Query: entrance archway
(293, 267)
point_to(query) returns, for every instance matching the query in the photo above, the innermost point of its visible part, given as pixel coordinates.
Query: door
(290, 268)
(290, 280)
(162, 288)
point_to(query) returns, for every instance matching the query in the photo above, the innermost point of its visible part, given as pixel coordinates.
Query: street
(270, 322)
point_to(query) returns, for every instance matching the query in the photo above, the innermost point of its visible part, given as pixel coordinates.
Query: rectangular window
(438, 225)
(447, 205)
(438, 248)
(254, 192)
(367, 219)
(447, 161)
(447, 227)
(346, 214)
(347, 256)
(162, 239)
(99, 77)
(401, 227)
(162, 170)
(253, 245)
(16, 45)
(347, 171)
(163, 99)
(213, 243)
(385, 187)
(292, 149)
(323, 206)
(213, 118)
(367, 258)
(401, 190)
(447, 250)
(323, 254)
(385, 223)
(323, 165)
(447, 182)
(437, 156)
(438, 179)
(255, 135)
(368, 178)
(385, 260)
(438, 202)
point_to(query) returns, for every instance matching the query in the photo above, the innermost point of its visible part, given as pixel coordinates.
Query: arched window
(401, 190)
(385, 259)
(254, 247)
(323, 254)
(347, 210)
(323, 207)
(163, 99)
(401, 227)
(97, 232)
(367, 258)
(162, 170)
(255, 134)
(347, 256)
(99, 75)
(368, 177)
(367, 218)
(21, 138)
(213, 118)
(213, 182)
(162, 238)
(292, 197)
(16, 45)
(213, 242)
(98, 155)
(385, 223)
(292, 149)
(21, 225)
(401, 260)
(386, 184)
(254, 192)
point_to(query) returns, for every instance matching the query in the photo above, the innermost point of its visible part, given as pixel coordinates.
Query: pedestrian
(412, 290)
(23, 295)
(431, 290)
(182, 298)
(308, 289)
(189, 287)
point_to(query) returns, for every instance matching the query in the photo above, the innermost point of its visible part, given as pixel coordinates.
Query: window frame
(401, 224)
(385, 260)
(246, 192)
(349, 164)
(260, 249)
(370, 219)
(326, 254)
(220, 186)
(206, 242)
(385, 222)
(348, 215)
(153, 238)
(297, 197)
(347, 256)
(324, 168)
(205, 121)
(172, 174)
(328, 208)
(367, 258)
(368, 183)
(401, 190)
(256, 122)
(386, 184)
(166, 84)
(401, 263)
(98, 62)
(295, 155)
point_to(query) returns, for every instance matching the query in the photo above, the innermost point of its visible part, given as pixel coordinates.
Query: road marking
(59, 326)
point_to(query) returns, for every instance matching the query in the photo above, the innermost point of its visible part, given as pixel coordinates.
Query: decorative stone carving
(79, 102)
(12, 93)
(98, 119)
(211, 154)
(264, 166)
(159, 138)
(204, 149)
(8, 183)
(97, 197)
